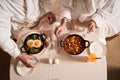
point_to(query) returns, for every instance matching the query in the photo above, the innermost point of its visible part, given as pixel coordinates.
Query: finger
(57, 32)
(52, 19)
(30, 65)
(30, 56)
(46, 44)
(90, 28)
(27, 64)
(32, 62)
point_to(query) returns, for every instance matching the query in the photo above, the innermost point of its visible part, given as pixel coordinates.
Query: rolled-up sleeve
(66, 9)
(66, 13)
(6, 43)
(104, 12)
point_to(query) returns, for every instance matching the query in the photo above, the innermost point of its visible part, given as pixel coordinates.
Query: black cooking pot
(74, 44)
(40, 38)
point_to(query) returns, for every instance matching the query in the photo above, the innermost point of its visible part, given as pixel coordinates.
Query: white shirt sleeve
(66, 13)
(6, 43)
(102, 13)
(66, 9)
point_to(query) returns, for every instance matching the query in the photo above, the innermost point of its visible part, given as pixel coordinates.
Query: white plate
(98, 48)
(22, 70)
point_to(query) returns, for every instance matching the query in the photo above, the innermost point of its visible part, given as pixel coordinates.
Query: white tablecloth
(69, 68)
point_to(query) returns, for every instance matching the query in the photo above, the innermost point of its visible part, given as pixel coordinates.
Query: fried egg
(37, 43)
(30, 43)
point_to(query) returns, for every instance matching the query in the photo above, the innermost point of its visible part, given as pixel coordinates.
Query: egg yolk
(92, 57)
(37, 43)
(30, 43)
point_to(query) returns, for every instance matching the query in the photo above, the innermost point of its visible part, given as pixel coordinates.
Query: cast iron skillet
(74, 44)
(33, 50)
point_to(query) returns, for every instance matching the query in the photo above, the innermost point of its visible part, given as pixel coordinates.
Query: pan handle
(61, 43)
(23, 49)
(44, 36)
(87, 43)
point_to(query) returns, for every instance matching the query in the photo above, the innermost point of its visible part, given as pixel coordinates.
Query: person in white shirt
(15, 15)
(101, 14)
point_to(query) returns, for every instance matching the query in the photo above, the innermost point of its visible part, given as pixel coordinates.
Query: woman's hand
(25, 58)
(91, 26)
